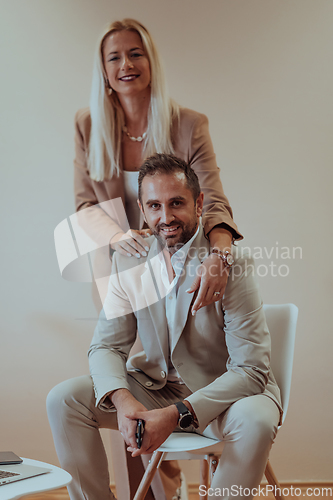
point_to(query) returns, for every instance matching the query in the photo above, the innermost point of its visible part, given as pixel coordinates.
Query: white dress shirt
(177, 261)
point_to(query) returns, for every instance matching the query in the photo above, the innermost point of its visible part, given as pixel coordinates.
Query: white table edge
(38, 484)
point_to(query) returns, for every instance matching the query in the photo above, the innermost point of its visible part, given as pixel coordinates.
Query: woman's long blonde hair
(107, 116)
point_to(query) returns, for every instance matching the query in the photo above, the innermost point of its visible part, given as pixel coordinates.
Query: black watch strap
(185, 416)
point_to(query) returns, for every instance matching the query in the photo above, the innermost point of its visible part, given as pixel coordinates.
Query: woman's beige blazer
(192, 143)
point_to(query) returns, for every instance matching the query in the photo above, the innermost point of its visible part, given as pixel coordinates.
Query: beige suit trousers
(248, 428)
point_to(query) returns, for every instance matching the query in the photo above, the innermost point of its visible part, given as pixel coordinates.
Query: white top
(131, 195)
(177, 261)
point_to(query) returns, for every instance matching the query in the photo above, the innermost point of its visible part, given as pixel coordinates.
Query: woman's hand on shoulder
(211, 280)
(132, 243)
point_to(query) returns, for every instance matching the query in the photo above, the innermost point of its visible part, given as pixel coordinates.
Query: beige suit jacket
(192, 143)
(222, 353)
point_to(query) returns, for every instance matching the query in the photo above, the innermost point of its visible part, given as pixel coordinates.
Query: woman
(130, 118)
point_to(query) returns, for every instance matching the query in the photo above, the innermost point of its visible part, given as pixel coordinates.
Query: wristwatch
(185, 416)
(227, 257)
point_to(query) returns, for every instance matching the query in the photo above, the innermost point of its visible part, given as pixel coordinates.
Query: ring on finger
(217, 294)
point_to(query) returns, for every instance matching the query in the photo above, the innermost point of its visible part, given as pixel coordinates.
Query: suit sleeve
(248, 343)
(100, 220)
(85, 195)
(112, 342)
(216, 209)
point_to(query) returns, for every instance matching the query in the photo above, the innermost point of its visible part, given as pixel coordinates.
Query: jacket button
(149, 384)
(163, 374)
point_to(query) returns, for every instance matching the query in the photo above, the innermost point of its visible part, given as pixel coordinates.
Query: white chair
(281, 320)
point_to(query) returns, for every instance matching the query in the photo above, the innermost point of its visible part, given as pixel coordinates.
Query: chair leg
(273, 481)
(207, 469)
(148, 475)
(213, 463)
(204, 476)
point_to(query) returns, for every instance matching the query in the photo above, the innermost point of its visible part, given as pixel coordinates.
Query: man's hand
(211, 280)
(159, 424)
(126, 404)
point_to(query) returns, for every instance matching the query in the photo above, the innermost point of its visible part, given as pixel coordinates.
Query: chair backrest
(281, 321)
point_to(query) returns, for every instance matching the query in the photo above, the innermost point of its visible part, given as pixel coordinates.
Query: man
(208, 371)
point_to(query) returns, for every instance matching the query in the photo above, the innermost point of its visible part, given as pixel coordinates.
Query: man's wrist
(174, 414)
(119, 396)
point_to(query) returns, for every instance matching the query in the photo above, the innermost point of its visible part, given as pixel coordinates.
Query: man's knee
(261, 424)
(67, 395)
(256, 418)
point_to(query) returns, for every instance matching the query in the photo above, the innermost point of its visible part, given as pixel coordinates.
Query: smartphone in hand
(140, 428)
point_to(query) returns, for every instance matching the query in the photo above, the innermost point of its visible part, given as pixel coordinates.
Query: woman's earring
(108, 86)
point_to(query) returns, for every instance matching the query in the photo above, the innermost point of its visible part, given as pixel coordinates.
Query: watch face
(186, 421)
(230, 260)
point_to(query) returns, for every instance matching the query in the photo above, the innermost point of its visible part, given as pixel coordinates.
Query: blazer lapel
(184, 299)
(152, 283)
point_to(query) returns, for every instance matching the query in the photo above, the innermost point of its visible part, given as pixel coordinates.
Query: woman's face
(126, 63)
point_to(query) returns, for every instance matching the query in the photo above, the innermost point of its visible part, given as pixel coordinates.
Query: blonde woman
(131, 117)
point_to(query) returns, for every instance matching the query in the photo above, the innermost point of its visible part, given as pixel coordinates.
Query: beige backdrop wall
(262, 72)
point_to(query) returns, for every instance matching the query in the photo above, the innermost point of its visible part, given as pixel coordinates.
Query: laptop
(11, 473)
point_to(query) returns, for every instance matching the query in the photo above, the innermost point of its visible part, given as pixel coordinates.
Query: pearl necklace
(138, 139)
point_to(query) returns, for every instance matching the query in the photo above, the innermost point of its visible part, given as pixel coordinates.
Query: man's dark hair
(168, 164)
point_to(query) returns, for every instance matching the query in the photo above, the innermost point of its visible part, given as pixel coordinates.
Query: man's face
(169, 209)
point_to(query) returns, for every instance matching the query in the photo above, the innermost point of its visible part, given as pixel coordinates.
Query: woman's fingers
(213, 278)
(138, 237)
(145, 233)
(128, 248)
(207, 295)
(131, 244)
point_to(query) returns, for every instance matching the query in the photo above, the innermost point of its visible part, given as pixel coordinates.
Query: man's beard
(172, 244)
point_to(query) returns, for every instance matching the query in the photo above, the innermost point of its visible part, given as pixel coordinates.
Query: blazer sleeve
(248, 343)
(101, 219)
(216, 209)
(84, 192)
(113, 339)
